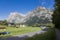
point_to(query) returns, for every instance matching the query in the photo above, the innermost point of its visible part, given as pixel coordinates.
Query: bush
(2, 27)
(50, 25)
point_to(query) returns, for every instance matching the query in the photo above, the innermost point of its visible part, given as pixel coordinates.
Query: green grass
(18, 31)
(49, 35)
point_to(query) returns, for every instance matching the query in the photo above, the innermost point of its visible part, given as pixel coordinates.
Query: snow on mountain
(40, 12)
(15, 17)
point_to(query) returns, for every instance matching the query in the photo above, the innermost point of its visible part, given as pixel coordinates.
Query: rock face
(15, 17)
(39, 15)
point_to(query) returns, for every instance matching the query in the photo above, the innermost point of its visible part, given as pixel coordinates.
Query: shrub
(2, 27)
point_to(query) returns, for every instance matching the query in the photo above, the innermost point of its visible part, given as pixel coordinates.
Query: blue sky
(22, 6)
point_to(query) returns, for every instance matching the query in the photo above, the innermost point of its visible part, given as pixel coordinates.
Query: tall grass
(49, 35)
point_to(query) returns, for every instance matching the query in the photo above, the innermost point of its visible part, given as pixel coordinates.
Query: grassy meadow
(18, 31)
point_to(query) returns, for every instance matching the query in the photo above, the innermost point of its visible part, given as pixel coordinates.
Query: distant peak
(16, 13)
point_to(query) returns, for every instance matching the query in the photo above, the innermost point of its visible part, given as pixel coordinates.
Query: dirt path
(57, 34)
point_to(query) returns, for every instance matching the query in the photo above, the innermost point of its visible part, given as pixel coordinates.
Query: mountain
(37, 16)
(15, 17)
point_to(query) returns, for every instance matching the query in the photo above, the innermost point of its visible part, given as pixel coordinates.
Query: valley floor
(24, 36)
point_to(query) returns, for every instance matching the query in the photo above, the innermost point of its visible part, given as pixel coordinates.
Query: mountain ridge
(40, 13)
